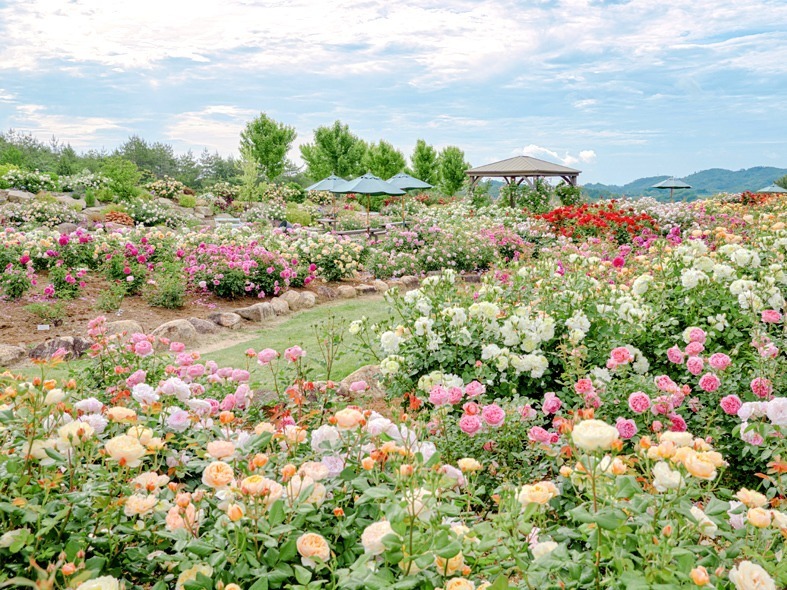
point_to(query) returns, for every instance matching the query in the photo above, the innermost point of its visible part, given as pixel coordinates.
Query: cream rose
(759, 517)
(294, 435)
(121, 414)
(298, 484)
(220, 449)
(543, 548)
(75, 432)
(54, 396)
(150, 481)
(348, 419)
(751, 499)
(681, 439)
(706, 525)
(594, 435)
(665, 478)
(314, 469)
(469, 465)
(459, 584)
(126, 450)
(372, 537)
(191, 574)
(217, 475)
(139, 504)
(101, 583)
(312, 546)
(142, 434)
(538, 493)
(448, 567)
(751, 576)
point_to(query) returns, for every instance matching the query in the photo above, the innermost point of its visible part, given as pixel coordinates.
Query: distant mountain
(704, 184)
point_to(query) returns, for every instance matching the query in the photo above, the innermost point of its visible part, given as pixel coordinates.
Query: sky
(619, 89)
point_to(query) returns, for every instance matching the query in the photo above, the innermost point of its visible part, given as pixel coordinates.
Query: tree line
(264, 146)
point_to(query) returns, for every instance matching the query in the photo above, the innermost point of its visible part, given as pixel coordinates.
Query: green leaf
(716, 506)
(610, 518)
(303, 575)
(260, 584)
(500, 583)
(200, 548)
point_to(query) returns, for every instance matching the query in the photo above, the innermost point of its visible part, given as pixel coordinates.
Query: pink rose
(656, 426)
(470, 424)
(240, 375)
(455, 395)
(695, 365)
(771, 316)
(266, 356)
(584, 386)
(540, 435)
(527, 412)
(214, 405)
(359, 386)
(751, 436)
(438, 395)
(293, 353)
(552, 403)
(474, 389)
(194, 371)
(493, 415)
(592, 400)
(719, 361)
(731, 404)
(471, 408)
(618, 262)
(224, 372)
(697, 335)
(675, 355)
(664, 383)
(639, 402)
(709, 382)
(136, 378)
(143, 348)
(177, 347)
(228, 403)
(761, 387)
(677, 423)
(694, 348)
(620, 355)
(626, 428)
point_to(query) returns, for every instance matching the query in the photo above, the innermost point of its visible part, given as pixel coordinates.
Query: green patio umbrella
(328, 184)
(407, 182)
(369, 185)
(671, 184)
(772, 189)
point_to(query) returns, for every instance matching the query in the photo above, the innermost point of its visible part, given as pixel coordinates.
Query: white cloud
(537, 151)
(216, 127)
(6, 96)
(80, 132)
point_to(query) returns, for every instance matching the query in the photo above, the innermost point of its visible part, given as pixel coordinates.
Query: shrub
(167, 188)
(297, 215)
(568, 194)
(65, 282)
(123, 177)
(150, 214)
(53, 312)
(167, 288)
(84, 181)
(15, 282)
(41, 212)
(111, 299)
(32, 182)
(90, 198)
(188, 201)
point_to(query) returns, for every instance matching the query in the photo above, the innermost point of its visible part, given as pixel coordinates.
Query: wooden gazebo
(523, 168)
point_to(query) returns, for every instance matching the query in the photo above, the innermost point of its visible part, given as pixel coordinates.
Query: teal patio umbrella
(407, 182)
(671, 184)
(369, 185)
(328, 184)
(772, 189)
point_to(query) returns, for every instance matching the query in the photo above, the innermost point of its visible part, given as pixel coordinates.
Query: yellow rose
(191, 574)
(348, 419)
(459, 584)
(75, 432)
(469, 465)
(538, 493)
(751, 499)
(594, 435)
(219, 449)
(448, 567)
(313, 546)
(699, 466)
(372, 537)
(100, 583)
(126, 450)
(121, 414)
(217, 475)
(759, 517)
(142, 434)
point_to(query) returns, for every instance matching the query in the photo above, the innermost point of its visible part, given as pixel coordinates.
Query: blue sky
(619, 89)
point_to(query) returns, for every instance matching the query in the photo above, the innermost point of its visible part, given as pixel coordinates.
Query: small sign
(43, 327)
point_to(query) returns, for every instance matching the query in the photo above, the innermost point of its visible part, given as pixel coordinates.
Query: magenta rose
(626, 428)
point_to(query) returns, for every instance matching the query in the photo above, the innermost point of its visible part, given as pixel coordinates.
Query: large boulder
(15, 196)
(74, 347)
(226, 319)
(380, 286)
(258, 312)
(177, 331)
(71, 202)
(308, 300)
(204, 326)
(368, 373)
(326, 292)
(293, 299)
(410, 281)
(127, 326)
(66, 227)
(280, 306)
(10, 355)
(347, 292)
(365, 289)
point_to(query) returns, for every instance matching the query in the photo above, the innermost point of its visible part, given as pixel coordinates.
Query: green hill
(704, 184)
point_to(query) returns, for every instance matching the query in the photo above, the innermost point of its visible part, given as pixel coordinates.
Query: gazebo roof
(522, 166)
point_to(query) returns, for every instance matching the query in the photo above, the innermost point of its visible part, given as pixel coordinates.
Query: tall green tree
(250, 175)
(335, 151)
(452, 165)
(153, 159)
(383, 160)
(267, 141)
(424, 162)
(782, 182)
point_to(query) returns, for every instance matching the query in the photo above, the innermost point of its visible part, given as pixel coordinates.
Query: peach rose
(348, 419)
(538, 493)
(139, 504)
(121, 414)
(751, 499)
(459, 584)
(126, 450)
(142, 434)
(751, 576)
(372, 537)
(314, 469)
(313, 546)
(75, 432)
(220, 449)
(759, 517)
(217, 475)
(698, 466)
(469, 465)
(235, 512)
(448, 567)
(150, 481)
(699, 575)
(262, 487)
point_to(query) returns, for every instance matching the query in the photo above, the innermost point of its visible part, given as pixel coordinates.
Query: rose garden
(587, 396)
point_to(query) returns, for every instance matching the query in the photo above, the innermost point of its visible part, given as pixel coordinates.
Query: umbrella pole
(403, 196)
(368, 209)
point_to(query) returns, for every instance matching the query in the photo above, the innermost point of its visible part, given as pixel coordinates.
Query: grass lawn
(287, 331)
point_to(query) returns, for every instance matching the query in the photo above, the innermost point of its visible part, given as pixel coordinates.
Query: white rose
(372, 537)
(594, 435)
(681, 439)
(665, 478)
(706, 525)
(54, 396)
(751, 576)
(102, 583)
(776, 410)
(543, 548)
